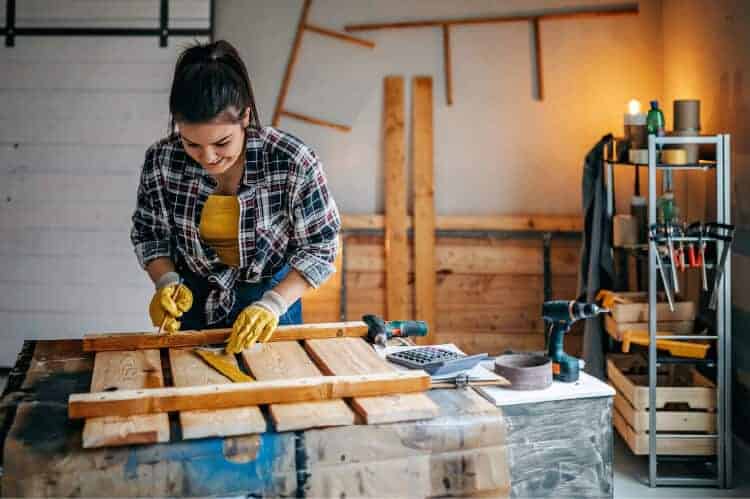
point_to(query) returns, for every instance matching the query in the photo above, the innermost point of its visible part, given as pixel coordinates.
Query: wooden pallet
(686, 405)
(305, 384)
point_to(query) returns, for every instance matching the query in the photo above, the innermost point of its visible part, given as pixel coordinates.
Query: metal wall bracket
(11, 31)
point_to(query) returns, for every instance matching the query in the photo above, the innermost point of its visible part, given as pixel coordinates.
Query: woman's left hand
(255, 323)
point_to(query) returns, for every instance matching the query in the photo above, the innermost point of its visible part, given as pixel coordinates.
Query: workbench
(555, 449)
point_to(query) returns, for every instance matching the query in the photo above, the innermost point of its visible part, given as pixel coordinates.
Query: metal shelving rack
(723, 326)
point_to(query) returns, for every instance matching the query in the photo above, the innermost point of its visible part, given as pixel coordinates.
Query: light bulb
(634, 107)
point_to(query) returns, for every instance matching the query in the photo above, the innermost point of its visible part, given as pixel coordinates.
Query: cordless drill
(562, 314)
(380, 331)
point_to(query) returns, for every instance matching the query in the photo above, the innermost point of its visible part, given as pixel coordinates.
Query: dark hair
(211, 80)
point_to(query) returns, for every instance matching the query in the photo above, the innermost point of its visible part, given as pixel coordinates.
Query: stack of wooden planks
(331, 378)
(488, 294)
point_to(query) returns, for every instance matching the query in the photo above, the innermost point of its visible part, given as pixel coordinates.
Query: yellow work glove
(257, 322)
(167, 303)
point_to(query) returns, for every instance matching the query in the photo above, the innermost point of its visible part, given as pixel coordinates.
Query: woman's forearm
(292, 287)
(158, 267)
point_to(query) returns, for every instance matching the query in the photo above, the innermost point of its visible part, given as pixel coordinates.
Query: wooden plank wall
(488, 296)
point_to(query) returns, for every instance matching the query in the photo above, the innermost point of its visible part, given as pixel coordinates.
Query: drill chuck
(570, 311)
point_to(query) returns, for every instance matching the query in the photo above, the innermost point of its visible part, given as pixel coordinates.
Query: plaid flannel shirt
(287, 215)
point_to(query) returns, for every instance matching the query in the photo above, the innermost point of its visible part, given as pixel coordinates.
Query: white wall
(496, 149)
(76, 116)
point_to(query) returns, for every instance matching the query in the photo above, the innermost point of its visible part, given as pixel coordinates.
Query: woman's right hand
(169, 304)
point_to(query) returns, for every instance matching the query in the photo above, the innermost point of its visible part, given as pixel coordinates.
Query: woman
(234, 222)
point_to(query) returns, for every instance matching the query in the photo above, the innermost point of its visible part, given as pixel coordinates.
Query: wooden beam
(396, 241)
(537, 59)
(315, 121)
(291, 62)
(171, 399)
(424, 203)
(144, 340)
(541, 223)
(631, 9)
(340, 36)
(447, 64)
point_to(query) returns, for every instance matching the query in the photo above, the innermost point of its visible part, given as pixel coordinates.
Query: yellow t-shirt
(219, 227)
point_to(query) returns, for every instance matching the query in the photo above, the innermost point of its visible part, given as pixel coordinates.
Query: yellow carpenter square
(223, 366)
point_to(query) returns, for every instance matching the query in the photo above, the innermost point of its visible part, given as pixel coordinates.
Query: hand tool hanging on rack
(698, 259)
(672, 262)
(725, 234)
(653, 239)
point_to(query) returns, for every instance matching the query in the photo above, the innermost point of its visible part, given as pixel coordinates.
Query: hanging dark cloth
(597, 267)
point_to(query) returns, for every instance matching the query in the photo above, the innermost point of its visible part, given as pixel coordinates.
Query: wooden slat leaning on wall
(126, 371)
(424, 204)
(190, 370)
(396, 241)
(341, 356)
(288, 360)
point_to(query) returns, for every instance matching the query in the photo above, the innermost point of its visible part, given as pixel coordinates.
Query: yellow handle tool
(222, 365)
(674, 347)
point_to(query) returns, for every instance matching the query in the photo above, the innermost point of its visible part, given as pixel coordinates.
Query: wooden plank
(535, 28)
(190, 370)
(144, 340)
(496, 343)
(116, 371)
(352, 356)
(340, 36)
(499, 289)
(447, 64)
(324, 304)
(620, 10)
(396, 242)
(541, 223)
(424, 203)
(666, 420)
(171, 399)
(288, 360)
(291, 62)
(638, 442)
(496, 257)
(315, 121)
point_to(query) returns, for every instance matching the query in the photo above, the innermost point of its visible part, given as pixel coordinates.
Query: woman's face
(216, 145)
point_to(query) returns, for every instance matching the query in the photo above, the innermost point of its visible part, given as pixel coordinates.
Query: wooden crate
(636, 309)
(685, 402)
(676, 384)
(638, 442)
(616, 329)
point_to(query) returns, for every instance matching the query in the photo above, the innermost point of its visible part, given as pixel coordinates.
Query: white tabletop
(587, 386)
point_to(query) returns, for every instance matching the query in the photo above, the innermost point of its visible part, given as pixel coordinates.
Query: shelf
(701, 165)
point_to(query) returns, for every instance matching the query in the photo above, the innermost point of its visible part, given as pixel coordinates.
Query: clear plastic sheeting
(458, 453)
